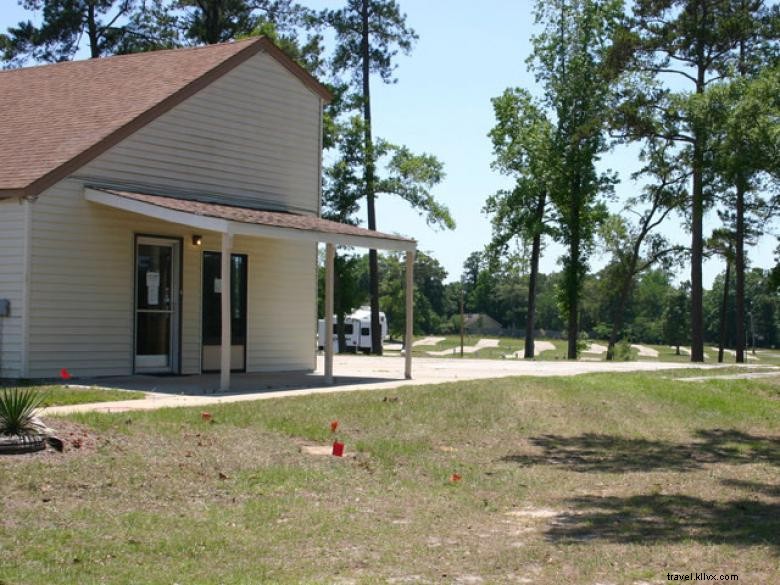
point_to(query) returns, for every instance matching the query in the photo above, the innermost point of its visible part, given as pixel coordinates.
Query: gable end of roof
(261, 44)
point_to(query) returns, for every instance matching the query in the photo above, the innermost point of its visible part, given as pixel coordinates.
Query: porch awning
(245, 221)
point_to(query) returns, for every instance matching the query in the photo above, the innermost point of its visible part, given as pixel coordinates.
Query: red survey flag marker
(65, 374)
(206, 416)
(455, 478)
(334, 425)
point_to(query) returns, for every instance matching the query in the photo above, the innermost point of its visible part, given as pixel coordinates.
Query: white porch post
(224, 372)
(327, 343)
(409, 314)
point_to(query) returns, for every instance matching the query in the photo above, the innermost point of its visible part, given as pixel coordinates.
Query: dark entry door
(212, 311)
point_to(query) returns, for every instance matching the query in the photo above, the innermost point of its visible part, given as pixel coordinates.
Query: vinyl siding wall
(12, 254)
(253, 134)
(82, 290)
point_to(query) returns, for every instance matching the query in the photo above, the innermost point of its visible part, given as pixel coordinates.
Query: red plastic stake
(338, 449)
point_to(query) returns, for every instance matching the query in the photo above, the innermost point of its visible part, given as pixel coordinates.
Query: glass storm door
(212, 311)
(156, 305)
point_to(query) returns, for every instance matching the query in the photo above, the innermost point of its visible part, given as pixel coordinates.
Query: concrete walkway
(351, 373)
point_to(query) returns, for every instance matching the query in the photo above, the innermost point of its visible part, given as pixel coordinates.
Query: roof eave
(13, 193)
(239, 228)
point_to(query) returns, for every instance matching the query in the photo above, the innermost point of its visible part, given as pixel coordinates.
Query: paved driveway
(352, 372)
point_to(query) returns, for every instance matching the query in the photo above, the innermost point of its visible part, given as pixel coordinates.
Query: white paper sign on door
(153, 288)
(217, 286)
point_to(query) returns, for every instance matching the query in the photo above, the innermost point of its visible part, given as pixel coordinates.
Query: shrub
(622, 351)
(17, 410)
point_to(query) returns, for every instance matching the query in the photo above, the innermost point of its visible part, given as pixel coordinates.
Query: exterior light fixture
(197, 240)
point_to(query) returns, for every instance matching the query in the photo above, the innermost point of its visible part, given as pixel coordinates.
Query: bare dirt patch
(644, 351)
(78, 441)
(596, 348)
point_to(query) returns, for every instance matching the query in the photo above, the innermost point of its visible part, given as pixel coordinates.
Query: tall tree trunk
(619, 316)
(723, 306)
(213, 22)
(536, 249)
(740, 269)
(573, 288)
(94, 41)
(369, 178)
(741, 188)
(697, 215)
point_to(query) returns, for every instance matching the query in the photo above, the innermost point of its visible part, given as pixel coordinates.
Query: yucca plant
(17, 411)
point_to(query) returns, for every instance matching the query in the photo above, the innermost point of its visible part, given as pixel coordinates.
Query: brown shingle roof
(55, 118)
(277, 219)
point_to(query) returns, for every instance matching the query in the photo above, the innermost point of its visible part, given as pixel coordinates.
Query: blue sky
(467, 53)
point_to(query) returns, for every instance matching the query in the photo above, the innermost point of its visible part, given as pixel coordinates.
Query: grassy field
(510, 345)
(594, 479)
(55, 395)
(507, 346)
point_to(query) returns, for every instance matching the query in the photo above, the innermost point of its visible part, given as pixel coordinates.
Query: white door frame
(162, 364)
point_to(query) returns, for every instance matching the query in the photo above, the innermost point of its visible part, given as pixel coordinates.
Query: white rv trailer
(357, 331)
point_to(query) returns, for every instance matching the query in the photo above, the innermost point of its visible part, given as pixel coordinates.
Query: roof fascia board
(293, 67)
(12, 193)
(237, 228)
(143, 119)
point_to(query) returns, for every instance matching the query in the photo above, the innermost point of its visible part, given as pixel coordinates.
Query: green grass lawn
(509, 345)
(55, 395)
(610, 478)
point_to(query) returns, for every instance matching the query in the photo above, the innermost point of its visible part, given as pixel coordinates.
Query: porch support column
(327, 343)
(409, 314)
(225, 357)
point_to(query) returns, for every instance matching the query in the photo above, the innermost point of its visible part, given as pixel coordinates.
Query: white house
(135, 190)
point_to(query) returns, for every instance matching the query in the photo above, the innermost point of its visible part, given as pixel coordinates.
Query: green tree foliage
(497, 286)
(216, 21)
(762, 305)
(667, 42)
(523, 145)
(430, 296)
(429, 278)
(369, 33)
(746, 158)
(129, 26)
(569, 61)
(643, 308)
(676, 317)
(403, 174)
(721, 243)
(635, 247)
(103, 23)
